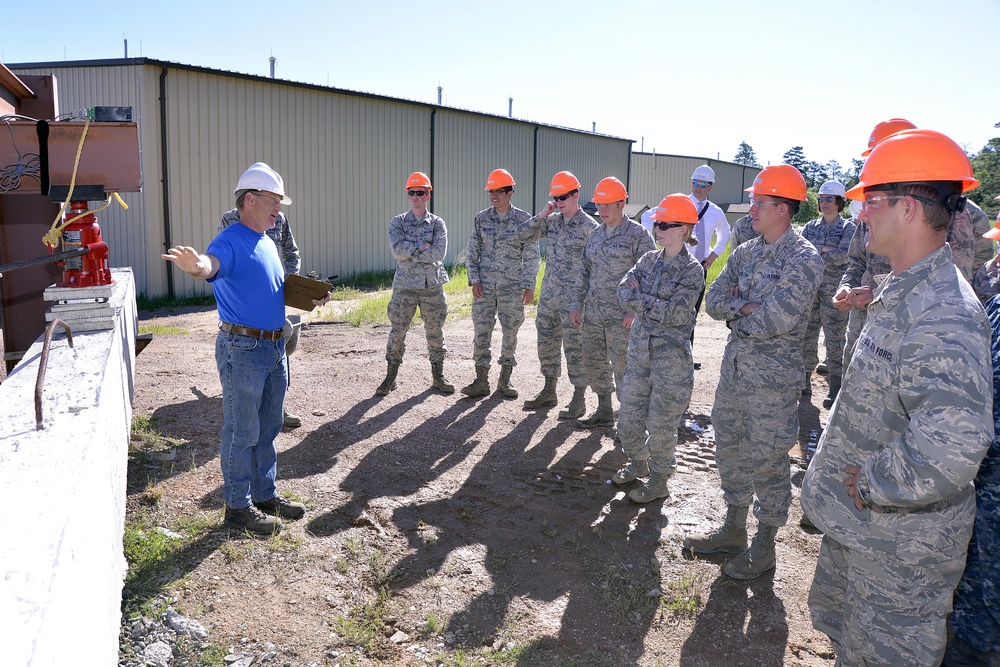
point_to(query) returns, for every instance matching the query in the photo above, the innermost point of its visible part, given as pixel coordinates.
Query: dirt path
(490, 531)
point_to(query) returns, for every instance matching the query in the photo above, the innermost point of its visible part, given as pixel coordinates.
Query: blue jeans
(254, 375)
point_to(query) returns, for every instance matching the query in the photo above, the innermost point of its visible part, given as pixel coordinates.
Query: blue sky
(689, 78)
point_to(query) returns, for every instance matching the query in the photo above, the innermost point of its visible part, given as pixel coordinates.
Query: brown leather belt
(247, 331)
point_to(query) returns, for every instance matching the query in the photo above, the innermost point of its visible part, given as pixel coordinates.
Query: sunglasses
(416, 193)
(565, 196)
(501, 191)
(664, 226)
(701, 184)
(827, 198)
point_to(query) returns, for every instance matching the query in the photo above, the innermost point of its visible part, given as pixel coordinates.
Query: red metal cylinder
(88, 270)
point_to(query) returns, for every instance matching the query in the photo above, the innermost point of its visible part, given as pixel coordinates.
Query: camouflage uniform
(976, 618)
(755, 415)
(986, 282)
(659, 374)
(418, 282)
(563, 260)
(863, 268)
(962, 238)
(834, 322)
(742, 232)
(914, 413)
(980, 224)
(505, 266)
(610, 252)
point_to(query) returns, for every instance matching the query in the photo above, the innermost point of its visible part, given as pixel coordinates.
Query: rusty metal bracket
(43, 362)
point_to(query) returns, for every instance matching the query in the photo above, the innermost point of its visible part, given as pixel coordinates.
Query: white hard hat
(856, 205)
(704, 173)
(832, 188)
(261, 177)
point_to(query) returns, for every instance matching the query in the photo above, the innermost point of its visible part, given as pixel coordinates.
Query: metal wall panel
(590, 158)
(466, 149)
(344, 158)
(656, 176)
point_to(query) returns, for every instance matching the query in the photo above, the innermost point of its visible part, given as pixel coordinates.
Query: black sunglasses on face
(565, 196)
(664, 226)
(416, 193)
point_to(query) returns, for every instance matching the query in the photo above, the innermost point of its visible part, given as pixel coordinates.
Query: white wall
(64, 496)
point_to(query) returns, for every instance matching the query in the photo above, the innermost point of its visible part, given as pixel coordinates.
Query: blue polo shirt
(249, 286)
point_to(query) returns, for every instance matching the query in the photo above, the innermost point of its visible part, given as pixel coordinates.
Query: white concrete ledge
(64, 495)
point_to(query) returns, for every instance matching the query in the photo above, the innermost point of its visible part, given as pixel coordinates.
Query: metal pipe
(164, 167)
(44, 259)
(43, 362)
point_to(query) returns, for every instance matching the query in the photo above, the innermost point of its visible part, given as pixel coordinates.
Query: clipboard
(300, 292)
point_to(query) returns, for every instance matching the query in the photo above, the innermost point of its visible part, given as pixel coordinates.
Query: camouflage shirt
(564, 249)
(837, 233)
(962, 239)
(496, 256)
(915, 412)
(742, 232)
(281, 234)
(609, 254)
(986, 282)
(663, 303)
(980, 225)
(417, 268)
(863, 265)
(765, 347)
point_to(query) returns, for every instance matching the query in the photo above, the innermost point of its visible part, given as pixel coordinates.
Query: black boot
(834, 390)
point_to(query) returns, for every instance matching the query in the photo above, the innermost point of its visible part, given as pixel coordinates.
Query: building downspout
(534, 172)
(628, 172)
(430, 206)
(164, 166)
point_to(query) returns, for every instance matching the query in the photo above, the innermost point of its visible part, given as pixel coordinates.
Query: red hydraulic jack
(91, 267)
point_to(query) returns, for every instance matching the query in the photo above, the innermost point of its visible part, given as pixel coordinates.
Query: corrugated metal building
(344, 156)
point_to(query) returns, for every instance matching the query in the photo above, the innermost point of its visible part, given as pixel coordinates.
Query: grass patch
(145, 302)
(624, 594)
(363, 624)
(150, 561)
(163, 330)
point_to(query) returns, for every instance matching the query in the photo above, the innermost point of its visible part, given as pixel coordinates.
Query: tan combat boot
(655, 487)
(756, 560)
(577, 405)
(633, 471)
(604, 415)
(504, 385)
(389, 383)
(440, 382)
(481, 385)
(546, 397)
(731, 536)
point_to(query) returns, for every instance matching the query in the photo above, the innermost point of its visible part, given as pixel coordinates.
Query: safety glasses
(827, 198)
(565, 196)
(416, 193)
(701, 184)
(664, 226)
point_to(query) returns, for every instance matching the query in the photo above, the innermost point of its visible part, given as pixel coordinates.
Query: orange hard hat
(563, 183)
(499, 178)
(887, 128)
(676, 208)
(610, 190)
(993, 234)
(779, 180)
(915, 156)
(418, 179)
